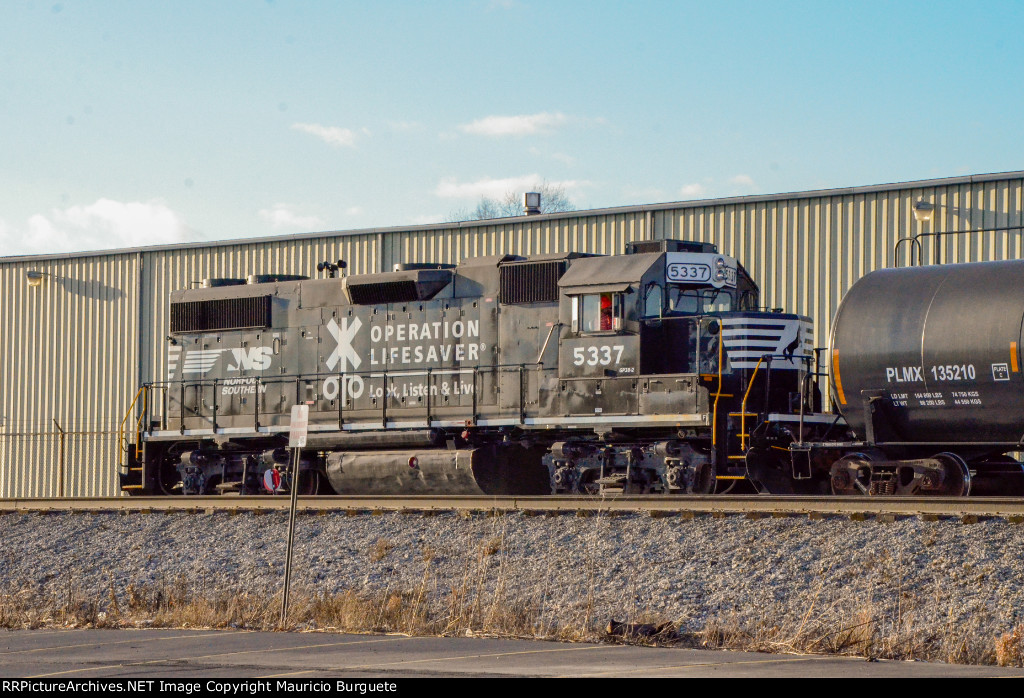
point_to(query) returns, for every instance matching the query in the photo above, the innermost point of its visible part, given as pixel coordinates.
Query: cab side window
(597, 312)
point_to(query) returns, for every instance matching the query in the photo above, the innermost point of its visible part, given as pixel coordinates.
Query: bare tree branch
(553, 199)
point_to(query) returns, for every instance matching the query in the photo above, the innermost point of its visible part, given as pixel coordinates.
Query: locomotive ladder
(714, 415)
(126, 458)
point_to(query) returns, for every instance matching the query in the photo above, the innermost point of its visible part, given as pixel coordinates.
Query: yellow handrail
(138, 422)
(122, 442)
(718, 394)
(743, 407)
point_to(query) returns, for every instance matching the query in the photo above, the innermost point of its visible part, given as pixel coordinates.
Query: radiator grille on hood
(221, 314)
(384, 292)
(530, 282)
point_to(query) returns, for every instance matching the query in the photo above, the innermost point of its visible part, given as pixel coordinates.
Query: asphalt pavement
(208, 654)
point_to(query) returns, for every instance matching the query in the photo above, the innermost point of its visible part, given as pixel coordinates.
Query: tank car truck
(654, 371)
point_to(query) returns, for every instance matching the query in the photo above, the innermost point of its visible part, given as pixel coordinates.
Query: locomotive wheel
(169, 478)
(705, 480)
(312, 483)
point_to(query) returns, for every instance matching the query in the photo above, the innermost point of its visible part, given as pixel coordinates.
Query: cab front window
(698, 301)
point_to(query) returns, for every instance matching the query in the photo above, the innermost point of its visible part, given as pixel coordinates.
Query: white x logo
(344, 336)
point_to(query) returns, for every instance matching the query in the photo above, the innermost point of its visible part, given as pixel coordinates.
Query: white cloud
(353, 210)
(515, 125)
(284, 216)
(693, 191)
(104, 225)
(450, 188)
(333, 135)
(743, 180)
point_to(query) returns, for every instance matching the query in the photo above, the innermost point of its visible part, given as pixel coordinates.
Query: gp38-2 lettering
(604, 355)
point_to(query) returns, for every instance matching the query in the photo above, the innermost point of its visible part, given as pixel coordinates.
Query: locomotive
(654, 371)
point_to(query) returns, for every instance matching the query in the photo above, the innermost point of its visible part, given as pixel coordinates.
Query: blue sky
(137, 122)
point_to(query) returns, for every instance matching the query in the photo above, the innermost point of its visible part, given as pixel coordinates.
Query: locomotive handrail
(201, 385)
(805, 383)
(718, 394)
(143, 416)
(743, 405)
(121, 440)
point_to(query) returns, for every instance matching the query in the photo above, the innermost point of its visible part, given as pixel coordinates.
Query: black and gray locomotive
(655, 371)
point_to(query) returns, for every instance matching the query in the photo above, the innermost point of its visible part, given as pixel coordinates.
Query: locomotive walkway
(967, 509)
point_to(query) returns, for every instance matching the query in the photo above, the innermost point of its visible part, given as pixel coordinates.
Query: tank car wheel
(851, 474)
(999, 476)
(957, 477)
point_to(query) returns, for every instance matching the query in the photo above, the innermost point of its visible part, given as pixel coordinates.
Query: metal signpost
(296, 440)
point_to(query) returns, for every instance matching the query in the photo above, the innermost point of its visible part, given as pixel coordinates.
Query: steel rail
(753, 506)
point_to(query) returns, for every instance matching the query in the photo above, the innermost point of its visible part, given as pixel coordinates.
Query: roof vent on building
(531, 203)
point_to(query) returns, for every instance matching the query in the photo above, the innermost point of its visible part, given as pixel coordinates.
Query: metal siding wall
(68, 356)
(76, 348)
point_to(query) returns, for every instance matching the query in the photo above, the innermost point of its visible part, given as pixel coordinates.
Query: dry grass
(1010, 648)
(467, 609)
(874, 613)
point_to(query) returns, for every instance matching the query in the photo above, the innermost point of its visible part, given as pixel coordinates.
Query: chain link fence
(59, 463)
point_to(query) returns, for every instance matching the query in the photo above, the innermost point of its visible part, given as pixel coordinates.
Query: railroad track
(752, 506)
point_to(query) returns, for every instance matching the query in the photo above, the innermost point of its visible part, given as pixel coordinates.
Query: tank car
(926, 370)
(654, 371)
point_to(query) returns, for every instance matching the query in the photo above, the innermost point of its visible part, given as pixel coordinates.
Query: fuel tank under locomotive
(926, 365)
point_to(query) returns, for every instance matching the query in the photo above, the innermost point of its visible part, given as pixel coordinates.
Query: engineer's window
(597, 312)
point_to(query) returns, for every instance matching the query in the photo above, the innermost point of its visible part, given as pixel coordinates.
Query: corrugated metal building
(79, 338)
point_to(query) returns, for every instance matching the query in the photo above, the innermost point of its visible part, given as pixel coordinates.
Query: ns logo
(255, 359)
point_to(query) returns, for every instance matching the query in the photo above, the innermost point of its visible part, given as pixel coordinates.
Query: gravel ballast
(909, 588)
